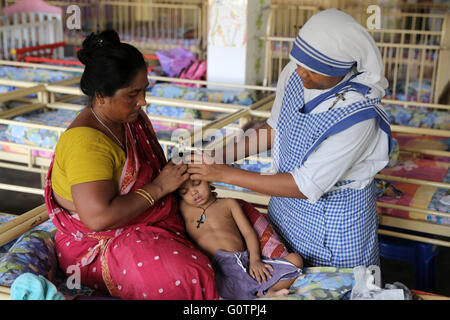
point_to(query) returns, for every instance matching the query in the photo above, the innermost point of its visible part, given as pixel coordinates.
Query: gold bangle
(146, 196)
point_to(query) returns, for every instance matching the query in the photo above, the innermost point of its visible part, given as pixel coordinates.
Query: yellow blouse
(85, 154)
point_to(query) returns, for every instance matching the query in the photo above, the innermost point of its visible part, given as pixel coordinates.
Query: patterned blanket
(414, 195)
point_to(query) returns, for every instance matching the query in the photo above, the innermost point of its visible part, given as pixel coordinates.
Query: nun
(329, 135)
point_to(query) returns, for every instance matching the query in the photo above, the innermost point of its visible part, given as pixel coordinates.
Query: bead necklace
(107, 128)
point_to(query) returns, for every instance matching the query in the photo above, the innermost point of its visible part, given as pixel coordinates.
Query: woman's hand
(259, 270)
(171, 177)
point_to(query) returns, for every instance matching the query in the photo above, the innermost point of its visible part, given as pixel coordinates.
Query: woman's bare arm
(100, 207)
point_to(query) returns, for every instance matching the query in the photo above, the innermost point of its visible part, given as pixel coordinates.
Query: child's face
(195, 192)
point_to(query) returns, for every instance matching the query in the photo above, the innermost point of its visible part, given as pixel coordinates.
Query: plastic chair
(422, 255)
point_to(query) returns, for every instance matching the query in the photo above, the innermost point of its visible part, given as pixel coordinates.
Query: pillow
(270, 243)
(33, 252)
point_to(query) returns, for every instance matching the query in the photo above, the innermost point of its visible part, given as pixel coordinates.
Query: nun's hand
(198, 157)
(202, 167)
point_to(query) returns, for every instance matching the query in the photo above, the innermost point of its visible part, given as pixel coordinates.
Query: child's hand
(259, 270)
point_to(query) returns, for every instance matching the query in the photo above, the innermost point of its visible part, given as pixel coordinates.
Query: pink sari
(148, 258)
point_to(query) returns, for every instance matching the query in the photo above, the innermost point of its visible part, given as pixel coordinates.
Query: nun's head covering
(331, 43)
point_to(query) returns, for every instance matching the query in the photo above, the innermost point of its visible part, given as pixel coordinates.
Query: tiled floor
(391, 270)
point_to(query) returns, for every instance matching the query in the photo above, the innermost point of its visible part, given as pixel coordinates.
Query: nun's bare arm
(279, 184)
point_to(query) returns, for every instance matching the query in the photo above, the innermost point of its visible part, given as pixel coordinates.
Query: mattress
(36, 137)
(172, 91)
(4, 218)
(414, 195)
(418, 117)
(45, 138)
(35, 75)
(29, 74)
(424, 142)
(410, 93)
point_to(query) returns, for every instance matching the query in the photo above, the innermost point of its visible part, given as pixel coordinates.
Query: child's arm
(257, 269)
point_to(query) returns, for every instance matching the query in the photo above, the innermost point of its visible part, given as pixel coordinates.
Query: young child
(221, 229)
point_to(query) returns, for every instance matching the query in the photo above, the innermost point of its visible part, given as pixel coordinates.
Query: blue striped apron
(340, 229)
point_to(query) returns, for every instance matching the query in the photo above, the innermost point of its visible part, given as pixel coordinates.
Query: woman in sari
(109, 188)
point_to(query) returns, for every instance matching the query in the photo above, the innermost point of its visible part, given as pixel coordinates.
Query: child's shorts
(234, 282)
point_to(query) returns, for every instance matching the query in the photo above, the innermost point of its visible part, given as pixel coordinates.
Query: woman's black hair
(109, 64)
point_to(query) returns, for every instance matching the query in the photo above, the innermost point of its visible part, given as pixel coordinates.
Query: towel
(29, 286)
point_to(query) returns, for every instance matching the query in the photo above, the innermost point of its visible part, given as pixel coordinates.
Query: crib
(413, 43)
(30, 24)
(147, 25)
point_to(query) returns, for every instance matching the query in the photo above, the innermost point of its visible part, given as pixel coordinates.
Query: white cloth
(333, 35)
(356, 153)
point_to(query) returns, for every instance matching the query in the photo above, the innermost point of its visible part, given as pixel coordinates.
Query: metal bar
(413, 209)
(414, 181)
(415, 238)
(11, 187)
(425, 131)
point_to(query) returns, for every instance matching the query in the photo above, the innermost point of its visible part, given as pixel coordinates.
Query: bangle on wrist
(146, 196)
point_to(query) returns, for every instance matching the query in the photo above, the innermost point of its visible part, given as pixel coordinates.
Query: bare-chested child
(221, 229)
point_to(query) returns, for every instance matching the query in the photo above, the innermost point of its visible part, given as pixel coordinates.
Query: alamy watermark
(73, 281)
(73, 21)
(200, 139)
(374, 20)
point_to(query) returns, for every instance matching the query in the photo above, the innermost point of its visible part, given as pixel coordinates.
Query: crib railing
(415, 48)
(148, 25)
(30, 160)
(29, 34)
(261, 110)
